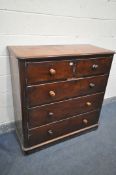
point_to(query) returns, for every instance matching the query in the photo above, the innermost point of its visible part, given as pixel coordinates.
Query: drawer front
(51, 92)
(92, 66)
(61, 128)
(48, 71)
(65, 109)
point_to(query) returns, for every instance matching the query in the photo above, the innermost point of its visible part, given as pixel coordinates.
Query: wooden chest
(57, 90)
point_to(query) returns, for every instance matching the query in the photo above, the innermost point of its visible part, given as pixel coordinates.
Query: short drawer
(54, 130)
(37, 72)
(96, 66)
(61, 110)
(52, 92)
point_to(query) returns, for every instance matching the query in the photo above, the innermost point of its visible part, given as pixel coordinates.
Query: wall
(53, 22)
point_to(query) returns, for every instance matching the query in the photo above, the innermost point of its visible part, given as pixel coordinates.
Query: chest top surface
(49, 51)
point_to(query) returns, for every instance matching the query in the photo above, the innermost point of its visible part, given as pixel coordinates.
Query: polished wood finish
(46, 114)
(53, 51)
(48, 71)
(57, 90)
(92, 67)
(53, 130)
(52, 92)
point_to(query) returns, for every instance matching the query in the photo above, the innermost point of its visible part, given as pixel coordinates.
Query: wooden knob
(52, 71)
(88, 103)
(50, 132)
(94, 66)
(92, 85)
(51, 114)
(52, 93)
(85, 121)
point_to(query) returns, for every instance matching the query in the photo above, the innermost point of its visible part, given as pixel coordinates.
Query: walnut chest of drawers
(57, 90)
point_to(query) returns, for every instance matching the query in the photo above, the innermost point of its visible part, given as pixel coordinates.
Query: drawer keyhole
(71, 63)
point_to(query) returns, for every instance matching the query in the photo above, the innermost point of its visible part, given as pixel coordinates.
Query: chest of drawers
(57, 90)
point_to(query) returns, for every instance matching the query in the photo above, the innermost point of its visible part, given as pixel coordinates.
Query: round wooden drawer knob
(52, 93)
(51, 114)
(50, 132)
(94, 66)
(92, 85)
(52, 71)
(85, 121)
(88, 103)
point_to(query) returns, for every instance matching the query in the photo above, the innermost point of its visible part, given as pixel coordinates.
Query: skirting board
(8, 127)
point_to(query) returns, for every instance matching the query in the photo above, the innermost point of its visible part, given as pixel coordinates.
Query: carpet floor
(93, 153)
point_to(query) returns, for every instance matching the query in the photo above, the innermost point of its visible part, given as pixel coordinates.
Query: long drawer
(61, 128)
(61, 110)
(51, 92)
